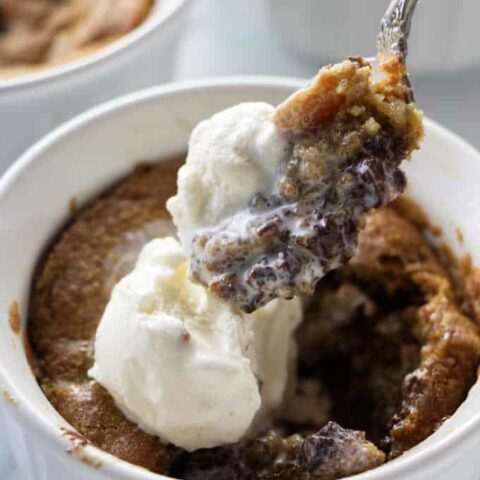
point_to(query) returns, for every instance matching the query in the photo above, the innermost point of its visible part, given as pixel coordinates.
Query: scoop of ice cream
(184, 364)
(232, 156)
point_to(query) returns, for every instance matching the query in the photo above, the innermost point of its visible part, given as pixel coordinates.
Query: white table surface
(231, 37)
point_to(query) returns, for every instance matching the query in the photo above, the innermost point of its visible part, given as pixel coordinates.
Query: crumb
(77, 450)
(459, 235)
(8, 397)
(76, 438)
(14, 319)
(73, 206)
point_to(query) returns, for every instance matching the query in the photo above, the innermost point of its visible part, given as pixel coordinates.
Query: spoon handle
(395, 27)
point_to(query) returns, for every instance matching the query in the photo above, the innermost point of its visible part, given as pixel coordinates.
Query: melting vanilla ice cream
(232, 156)
(184, 364)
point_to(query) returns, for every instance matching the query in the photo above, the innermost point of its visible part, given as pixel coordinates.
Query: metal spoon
(392, 39)
(395, 28)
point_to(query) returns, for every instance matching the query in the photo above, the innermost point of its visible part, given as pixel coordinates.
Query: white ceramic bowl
(84, 156)
(444, 35)
(31, 105)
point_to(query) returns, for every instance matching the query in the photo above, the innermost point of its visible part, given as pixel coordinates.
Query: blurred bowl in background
(444, 38)
(33, 104)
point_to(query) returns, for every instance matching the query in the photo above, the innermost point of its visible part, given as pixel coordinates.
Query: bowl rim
(121, 469)
(63, 71)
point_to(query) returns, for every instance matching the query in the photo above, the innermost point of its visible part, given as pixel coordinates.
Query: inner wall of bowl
(89, 154)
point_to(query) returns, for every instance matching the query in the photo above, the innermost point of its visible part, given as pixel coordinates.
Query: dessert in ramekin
(141, 128)
(41, 34)
(41, 96)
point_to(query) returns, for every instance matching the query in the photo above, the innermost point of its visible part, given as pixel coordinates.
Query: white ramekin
(444, 37)
(87, 154)
(31, 105)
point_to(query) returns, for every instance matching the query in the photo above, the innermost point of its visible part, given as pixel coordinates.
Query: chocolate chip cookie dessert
(388, 347)
(346, 135)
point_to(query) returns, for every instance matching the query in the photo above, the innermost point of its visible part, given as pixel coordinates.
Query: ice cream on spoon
(271, 199)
